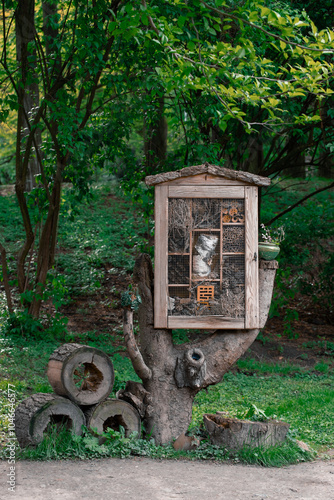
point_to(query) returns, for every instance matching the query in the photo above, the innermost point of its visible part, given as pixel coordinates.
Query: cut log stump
(112, 414)
(233, 434)
(82, 373)
(35, 414)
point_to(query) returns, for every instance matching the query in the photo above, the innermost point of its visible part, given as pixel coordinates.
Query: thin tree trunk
(29, 98)
(155, 137)
(47, 246)
(5, 278)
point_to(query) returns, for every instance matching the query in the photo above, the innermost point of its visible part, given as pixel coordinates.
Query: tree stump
(112, 414)
(82, 373)
(234, 434)
(35, 414)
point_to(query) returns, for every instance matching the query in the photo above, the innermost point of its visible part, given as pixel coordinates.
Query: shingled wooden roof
(206, 168)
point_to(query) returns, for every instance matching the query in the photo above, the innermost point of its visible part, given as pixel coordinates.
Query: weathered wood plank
(251, 258)
(206, 322)
(161, 257)
(206, 191)
(204, 180)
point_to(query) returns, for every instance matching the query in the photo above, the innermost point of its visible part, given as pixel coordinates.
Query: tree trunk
(47, 245)
(172, 375)
(5, 278)
(155, 138)
(29, 92)
(254, 162)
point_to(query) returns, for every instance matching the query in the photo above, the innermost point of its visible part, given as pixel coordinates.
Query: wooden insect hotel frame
(206, 248)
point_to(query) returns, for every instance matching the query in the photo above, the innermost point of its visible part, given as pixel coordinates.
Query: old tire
(82, 373)
(34, 414)
(112, 414)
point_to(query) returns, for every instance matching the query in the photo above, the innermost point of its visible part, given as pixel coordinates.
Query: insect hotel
(206, 248)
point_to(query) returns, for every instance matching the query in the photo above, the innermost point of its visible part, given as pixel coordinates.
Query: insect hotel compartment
(208, 268)
(206, 236)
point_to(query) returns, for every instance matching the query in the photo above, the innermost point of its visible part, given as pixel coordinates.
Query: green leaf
(314, 28)
(181, 20)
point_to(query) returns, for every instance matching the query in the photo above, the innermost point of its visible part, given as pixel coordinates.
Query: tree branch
(138, 363)
(299, 203)
(273, 35)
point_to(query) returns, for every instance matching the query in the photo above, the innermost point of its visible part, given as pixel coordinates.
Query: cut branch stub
(82, 373)
(234, 434)
(34, 415)
(138, 397)
(191, 370)
(112, 414)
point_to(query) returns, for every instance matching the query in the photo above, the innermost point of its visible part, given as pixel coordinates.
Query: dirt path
(142, 478)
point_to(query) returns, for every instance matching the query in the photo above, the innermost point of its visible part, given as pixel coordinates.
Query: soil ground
(142, 478)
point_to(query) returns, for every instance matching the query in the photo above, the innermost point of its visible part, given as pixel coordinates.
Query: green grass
(305, 402)
(303, 399)
(104, 231)
(250, 366)
(107, 230)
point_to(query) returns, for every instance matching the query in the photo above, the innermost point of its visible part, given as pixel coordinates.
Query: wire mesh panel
(234, 239)
(179, 225)
(233, 286)
(178, 269)
(180, 302)
(206, 213)
(233, 271)
(206, 257)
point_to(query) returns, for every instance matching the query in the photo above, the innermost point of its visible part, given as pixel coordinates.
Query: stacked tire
(82, 378)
